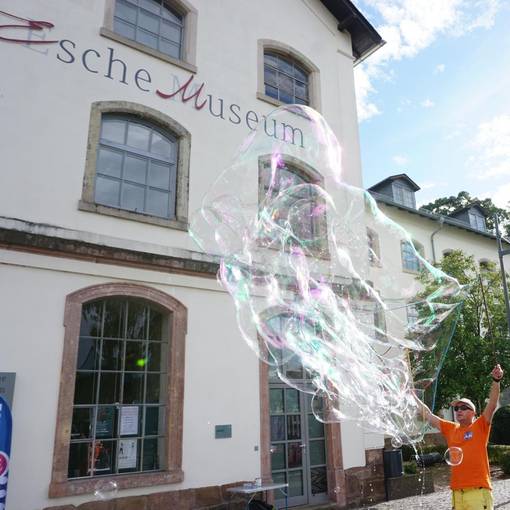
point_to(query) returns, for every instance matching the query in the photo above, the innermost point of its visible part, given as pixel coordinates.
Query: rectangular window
(410, 261)
(403, 195)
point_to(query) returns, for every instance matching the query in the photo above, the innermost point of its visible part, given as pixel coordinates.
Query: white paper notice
(127, 453)
(128, 420)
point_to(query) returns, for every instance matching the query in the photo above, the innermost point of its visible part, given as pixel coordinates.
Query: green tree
(449, 205)
(480, 338)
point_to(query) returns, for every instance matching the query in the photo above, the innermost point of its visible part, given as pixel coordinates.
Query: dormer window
(477, 220)
(403, 195)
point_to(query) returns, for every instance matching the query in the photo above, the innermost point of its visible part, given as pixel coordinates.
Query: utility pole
(501, 254)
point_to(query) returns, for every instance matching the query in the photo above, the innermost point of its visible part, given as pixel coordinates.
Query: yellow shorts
(472, 499)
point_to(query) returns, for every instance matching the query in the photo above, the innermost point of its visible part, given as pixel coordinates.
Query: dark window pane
(114, 318)
(319, 480)
(154, 357)
(147, 38)
(285, 66)
(151, 453)
(294, 426)
(113, 130)
(105, 422)
(315, 427)
(286, 97)
(156, 325)
(292, 401)
(285, 84)
(162, 146)
(88, 354)
(135, 356)
(155, 417)
(169, 48)
(91, 319)
(82, 422)
(301, 90)
(109, 162)
(277, 428)
(135, 169)
(125, 11)
(138, 136)
(151, 5)
(277, 456)
(107, 191)
(133, 197)
(317, 452)
(112, 355)
(300, 74)
(270, 76)
(293, 368)
(171, 15)
(279, 477)
(137, 320)
(154, 388)
(148, 21)
(159, 175)
(125, 29)
(85, 388)
(270, 60)
(104, 454)
(109, 389)
(157, 203)
(272, 92)
(79, 456)
(295, 483)
(133, 388)
(276, 401)
(171, 31)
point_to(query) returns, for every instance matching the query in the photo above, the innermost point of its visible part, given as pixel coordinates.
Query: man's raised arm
(428, 414)
(492, 404)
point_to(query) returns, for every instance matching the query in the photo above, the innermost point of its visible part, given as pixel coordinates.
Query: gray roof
(364, 37)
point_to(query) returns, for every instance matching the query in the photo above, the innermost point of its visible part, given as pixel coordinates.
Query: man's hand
(497, 373)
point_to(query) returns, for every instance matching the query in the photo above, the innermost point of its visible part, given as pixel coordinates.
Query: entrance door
(298, 446)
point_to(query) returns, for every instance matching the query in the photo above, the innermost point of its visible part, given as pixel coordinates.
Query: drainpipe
(441, 223)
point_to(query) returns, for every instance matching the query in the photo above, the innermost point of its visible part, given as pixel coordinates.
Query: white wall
(221, 373)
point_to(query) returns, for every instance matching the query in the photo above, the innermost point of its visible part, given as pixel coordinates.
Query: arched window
(153, 23)
(299, 208)
(136, 167)
(410, 260)
(121, 394)
(285, 79)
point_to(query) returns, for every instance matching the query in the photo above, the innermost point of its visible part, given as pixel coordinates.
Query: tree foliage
(449, 205)
(480, 338)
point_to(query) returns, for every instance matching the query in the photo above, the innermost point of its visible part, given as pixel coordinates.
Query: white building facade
(117, 116)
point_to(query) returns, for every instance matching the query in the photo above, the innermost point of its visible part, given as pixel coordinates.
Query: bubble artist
(298, 249)
(467, 441)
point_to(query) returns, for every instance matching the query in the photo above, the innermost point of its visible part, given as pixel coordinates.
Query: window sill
(76, 487)
(109, 34)
(133, 216)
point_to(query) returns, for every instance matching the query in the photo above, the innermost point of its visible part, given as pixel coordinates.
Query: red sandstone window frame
(60, 485)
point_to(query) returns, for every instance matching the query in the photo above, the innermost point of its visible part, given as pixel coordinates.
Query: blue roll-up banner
(5, 448)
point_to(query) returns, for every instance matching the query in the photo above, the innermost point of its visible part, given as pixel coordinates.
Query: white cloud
(410, 26)
(432, 184)
(400, 160)
(501, 197)
(427, 103)
(491, 146)
(439, 69)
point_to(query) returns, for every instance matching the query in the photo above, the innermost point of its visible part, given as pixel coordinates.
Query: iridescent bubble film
(453, 456)
(330, 292)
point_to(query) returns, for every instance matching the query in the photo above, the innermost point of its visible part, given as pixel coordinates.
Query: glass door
(298, 446)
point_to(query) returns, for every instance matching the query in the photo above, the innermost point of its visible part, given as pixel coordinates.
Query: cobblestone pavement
(441, 500)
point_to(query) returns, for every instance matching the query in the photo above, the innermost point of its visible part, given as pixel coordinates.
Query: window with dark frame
(154, 23)
(285, 79)
(136, 167)
(119, 411)
(477, 221)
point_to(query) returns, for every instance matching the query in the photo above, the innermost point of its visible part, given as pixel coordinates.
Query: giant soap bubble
(323, 280)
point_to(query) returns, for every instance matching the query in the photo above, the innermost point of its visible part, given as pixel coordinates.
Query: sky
(434, 102)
